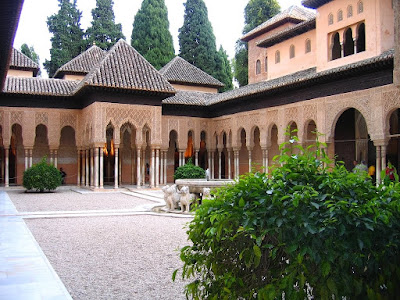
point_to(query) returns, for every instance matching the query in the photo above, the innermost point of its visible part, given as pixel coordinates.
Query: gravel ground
(114, 257)
(67, 200)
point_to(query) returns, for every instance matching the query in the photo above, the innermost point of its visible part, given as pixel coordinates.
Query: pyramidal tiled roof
(294, 13)
(179, 70)
(38, 86)
(22, 62)
(83, 63)
(123, 67)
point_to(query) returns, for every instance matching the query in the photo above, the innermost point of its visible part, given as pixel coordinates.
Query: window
(291, 51)
(348, 47)
(360, 45)
(360, 7)
(308, 45)
(266, 65)
(336, 47)
(258, 67)
(349, 11)
(277, 57)
(330, 19)
(340, 15)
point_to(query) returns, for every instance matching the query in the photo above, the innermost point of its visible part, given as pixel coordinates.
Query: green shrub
(189, 171)
(305, 229)
(42, 177)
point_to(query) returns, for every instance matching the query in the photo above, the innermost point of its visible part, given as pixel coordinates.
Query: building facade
(111, 119)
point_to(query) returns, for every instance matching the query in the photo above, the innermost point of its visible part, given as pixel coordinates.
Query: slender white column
(51, 157)
(181, 158)
(236, 153)
(162, 167)
(55, 158)
(249, 160)
(165, 167)
(101, 168)
(138, 164)
(152, 168)
(7, 173)
(265, 160)
(219, 164)
(383, 156)
(157, 167)
(91, 154)
(30, 158)
(26, 159)
(78, 180)
(96, 167)
(213, 165)
(209, 161)
(229, 165)
(378, 165)
(83, 173)
(116, 175)
(196, 158)
(120, 169)
(87, 168)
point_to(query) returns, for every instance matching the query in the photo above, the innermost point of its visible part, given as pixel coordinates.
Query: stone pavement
(25, 272)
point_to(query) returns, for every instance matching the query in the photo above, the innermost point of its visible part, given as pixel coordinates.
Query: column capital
(381, 142)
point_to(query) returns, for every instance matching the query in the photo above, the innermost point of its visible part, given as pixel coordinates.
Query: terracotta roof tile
(38, 86)
(314, 3)
(22, 62)
(179, 70)
(83, 63)
(189, 98)
(293, 13)
(288, 33)
(123, 67)
(300, 78)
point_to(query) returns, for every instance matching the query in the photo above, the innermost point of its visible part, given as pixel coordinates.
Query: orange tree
(310, 227)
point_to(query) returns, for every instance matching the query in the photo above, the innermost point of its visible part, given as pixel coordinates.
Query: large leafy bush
(309, 229)
(42, 177)
(189, 171)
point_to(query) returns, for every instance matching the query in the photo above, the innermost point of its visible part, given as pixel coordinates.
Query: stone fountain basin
(196, 186)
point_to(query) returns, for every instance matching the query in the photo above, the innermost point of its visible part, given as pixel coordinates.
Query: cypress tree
(31, 53)
(67, 39)
(103, 31)
(196, 38)
(223, 71)
(150, 34)
(256, 12)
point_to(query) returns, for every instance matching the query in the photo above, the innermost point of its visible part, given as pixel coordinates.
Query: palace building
(111, 119)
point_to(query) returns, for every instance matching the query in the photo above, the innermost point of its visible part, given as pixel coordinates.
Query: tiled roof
(22, 62)
(314, 3)
(179, 70)
(124, 68)
(301, 78)
(83, 63)
(38, 86)
(189, 98)
(288, 33)
(293, 13)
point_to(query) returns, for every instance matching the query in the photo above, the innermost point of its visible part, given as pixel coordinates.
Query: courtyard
(107, 245)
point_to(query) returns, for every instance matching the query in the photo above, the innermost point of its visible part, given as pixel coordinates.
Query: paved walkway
(25, 272)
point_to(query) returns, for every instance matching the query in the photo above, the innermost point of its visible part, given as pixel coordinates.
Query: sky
(226, 17)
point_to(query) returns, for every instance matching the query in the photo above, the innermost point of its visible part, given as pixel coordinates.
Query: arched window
(258, 67)
(277, 57)
(336, 48)
(361, 38)
(349, 11)
(360, 7)
(292, 51)
(330, 19)
(340, 15)
(266, 65)
(308, 45)
(348, 47)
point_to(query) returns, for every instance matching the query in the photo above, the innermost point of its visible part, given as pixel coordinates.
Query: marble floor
(25, 272)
